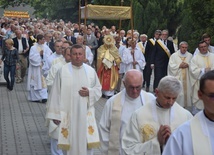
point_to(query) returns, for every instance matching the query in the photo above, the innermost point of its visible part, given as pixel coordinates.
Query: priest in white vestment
(71, 105)
(196, 137)
(55, 55)
(53, 128)
(199, 65)
(207, 38)
(36, 84)
(118, 110)
(57, 64)
(133, 58)
(62, 59)
(151, 125)
(179, 67)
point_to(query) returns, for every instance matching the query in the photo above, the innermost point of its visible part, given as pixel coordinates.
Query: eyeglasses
(137, 88)
(210, 96)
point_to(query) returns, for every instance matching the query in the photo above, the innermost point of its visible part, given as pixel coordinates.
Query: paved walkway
(22, 123)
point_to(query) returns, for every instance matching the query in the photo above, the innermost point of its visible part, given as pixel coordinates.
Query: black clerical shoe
(44, 100)
(35, 101)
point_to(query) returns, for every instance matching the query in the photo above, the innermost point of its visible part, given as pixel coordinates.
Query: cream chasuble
(197, 68)
(77, 131)
(140, 136)
(115, 116)
(195, 137)
(199, 131)
(182, 74)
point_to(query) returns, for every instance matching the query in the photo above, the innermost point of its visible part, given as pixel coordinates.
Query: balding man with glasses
(118, 110)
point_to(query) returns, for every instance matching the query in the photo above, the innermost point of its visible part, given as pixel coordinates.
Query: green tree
(198, 18)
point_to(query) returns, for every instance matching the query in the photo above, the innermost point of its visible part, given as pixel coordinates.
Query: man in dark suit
(69, 36)
(91, 42)
(49, 41)
(160, 57)
(146, 47)
(21, 44)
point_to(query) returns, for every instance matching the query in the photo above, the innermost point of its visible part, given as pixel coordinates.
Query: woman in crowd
(10, 58)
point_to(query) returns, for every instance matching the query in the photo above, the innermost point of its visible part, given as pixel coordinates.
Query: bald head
(133, 81)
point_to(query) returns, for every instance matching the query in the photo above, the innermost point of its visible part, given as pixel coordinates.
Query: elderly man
(197, 135)
(160, 57)
(71, 105)
(151, 125)
(179, 68)
(118, 110)
(21, 44)
(199, 65)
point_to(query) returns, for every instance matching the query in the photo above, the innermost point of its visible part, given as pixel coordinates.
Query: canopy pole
(85, 20)
(79, 14)
(132, 24)
(120, 24)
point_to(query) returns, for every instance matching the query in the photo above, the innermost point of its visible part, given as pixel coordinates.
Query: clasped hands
(84, 92)
(163, 134)
(184, 65)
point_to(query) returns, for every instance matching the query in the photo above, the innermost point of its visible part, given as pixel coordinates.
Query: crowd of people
(71, 66)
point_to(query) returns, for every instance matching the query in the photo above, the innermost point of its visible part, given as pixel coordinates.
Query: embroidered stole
(152, 41)
(164, 47)
(200, 135)
(44, 85)
(114, 136)
(64, 132)
(114, 140)
(184, 81)
(142, 48)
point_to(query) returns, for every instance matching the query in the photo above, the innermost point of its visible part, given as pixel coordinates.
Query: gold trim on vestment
(141, 47)
(184, 81)
(93, 145)
(152, 41)
(166, 50)
(64, 147)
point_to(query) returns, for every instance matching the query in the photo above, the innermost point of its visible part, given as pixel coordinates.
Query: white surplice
(210, 49)
(65, 98)
(128, 106)
(36, 84)
(121, 51)
(140, 136)
(197, 68)
(89, 55)
(181, 141)
(51, 58)
(127, 59)
(52, 72)
(182, 74)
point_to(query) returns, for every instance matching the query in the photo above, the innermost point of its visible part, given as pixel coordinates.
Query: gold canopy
(106, 12)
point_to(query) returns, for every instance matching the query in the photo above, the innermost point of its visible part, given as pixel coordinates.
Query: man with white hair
(179, 67)
(151, 125)
(196, 137)
(160, 57)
